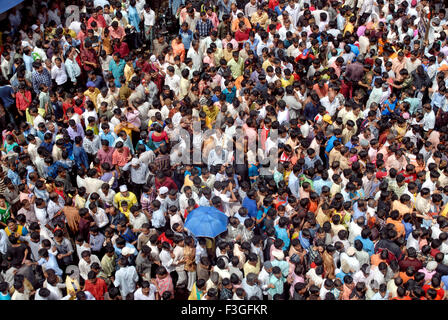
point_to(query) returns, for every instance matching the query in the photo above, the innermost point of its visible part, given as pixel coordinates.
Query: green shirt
(278, 177)
(108, 265)
(415, 104)
(278, 283)
(5, 213)
(44, 99)
(236, 67)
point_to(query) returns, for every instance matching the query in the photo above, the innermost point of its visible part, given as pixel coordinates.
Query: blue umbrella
(206, 222)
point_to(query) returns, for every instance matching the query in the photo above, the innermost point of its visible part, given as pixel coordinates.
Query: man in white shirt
(58, 72)
(149, 18)
(172, 80)
(293, 10)
(126, 277)
(330, 103)
(429, 118)
(145, 292)
(84, 264)
(196, 55)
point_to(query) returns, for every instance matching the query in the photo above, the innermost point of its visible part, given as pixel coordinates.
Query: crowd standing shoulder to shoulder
(224, 150)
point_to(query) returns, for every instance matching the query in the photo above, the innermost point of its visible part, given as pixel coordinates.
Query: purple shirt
(73, 134)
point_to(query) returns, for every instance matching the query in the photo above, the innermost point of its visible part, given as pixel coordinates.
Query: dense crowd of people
(321, 128)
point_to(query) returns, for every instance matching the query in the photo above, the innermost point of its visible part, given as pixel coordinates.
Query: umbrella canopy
(206, 222)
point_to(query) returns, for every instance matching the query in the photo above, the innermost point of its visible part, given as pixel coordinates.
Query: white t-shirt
(138, 295)
(149, 17)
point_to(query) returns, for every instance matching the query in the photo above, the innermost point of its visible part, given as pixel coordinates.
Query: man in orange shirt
(240, 18)
(435, 285)
(395, 220)
(321, 89)
(121, 156)
(178, 47)
(401, 294)
(403, 205)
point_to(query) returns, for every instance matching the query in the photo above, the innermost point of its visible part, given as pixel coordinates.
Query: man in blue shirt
(312, 108)
(229, 91)
(367, 244)
(48, 261)
(320, 183)
(282, 233)
(27, 59)
(48, 142)
(7, 96)
(250, 203)
(79, 154)
(330, 143)
(187, 35)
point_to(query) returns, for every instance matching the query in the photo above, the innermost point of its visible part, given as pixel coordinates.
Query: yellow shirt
(248, 268)
(131, 199)
(79, 202)
(72, 285)
(227, 55)
(94, 129)
(184, 88)
(128, 72)
(187, 181)
(444, 211)
(92, 96)
(261, 20)
(211, 112)
(287, 82)
(266, 64)
(71, 33)
(128, 131)
(349, 27)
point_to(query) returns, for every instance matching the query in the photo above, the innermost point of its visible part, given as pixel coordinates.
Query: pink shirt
(209, 60)
(214, 19)
(117, 34)
(104, 156)
(233, 42)
(133, 117)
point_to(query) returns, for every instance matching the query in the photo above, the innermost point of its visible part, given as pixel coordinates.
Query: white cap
(351, 251)
(126, 251)
(163, 190)
(34, 27)
(135, 162)
(123, 188)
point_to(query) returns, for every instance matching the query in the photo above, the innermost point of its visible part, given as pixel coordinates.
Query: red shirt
(168, 182)
(23, 100)
(159, 81)
(409, 177)
(162, 238)
(60, 192)
(145, 66)
(434, 252)
(272, 4)
(186, 213)
(404, 298)
(123, 49)
(440, 291)
(242, 36)
(100, 21)
(88, 55)
(98, 289)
